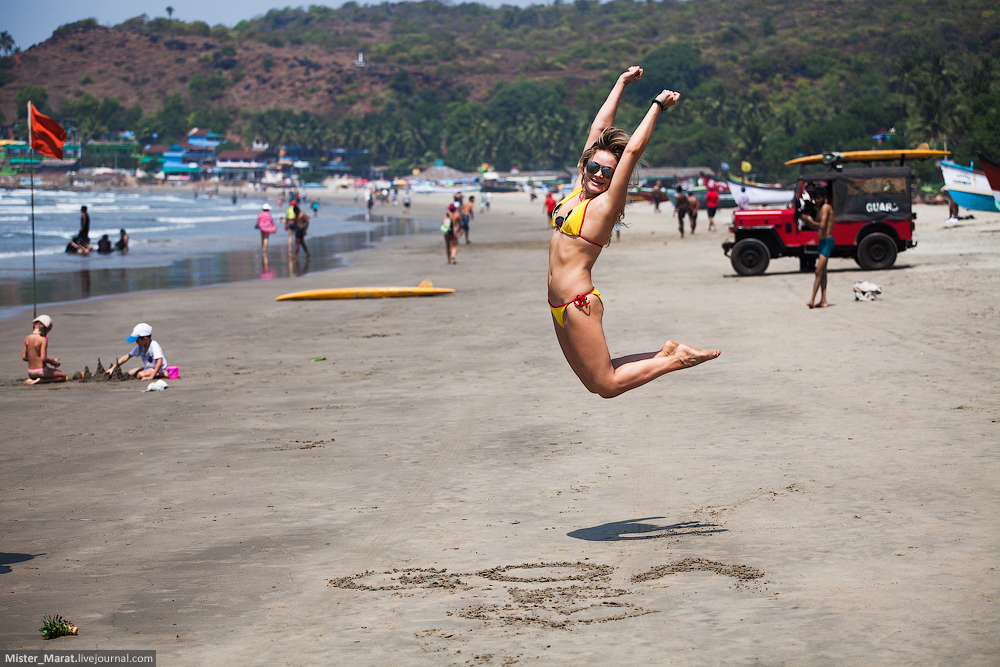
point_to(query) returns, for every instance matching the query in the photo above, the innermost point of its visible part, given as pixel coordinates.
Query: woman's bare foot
(35, 381)
(687, 356)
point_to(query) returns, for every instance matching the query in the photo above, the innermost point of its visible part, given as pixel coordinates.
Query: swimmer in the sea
(583, 224)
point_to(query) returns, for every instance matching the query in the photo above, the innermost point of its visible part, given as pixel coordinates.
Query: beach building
(204, 138)
(15, 157)
(183, 163)
(234, 165)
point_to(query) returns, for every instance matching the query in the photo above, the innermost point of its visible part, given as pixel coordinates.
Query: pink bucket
(173, 372)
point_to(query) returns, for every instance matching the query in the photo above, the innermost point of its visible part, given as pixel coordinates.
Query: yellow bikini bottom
(559, 312)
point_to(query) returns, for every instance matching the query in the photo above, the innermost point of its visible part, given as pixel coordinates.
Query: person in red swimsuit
(583, 223)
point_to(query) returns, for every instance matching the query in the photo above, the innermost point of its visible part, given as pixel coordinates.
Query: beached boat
(667, 196)
(499, 185)
(968, 187)
(992, 170)
(759, 193)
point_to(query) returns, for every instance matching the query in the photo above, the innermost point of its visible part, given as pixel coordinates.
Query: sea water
(175, 240)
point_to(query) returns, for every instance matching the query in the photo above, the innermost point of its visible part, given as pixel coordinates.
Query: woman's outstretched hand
(668, 98)
(632, 75)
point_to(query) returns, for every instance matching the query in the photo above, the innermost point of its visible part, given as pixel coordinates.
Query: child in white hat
(147, 349)
(41, 367)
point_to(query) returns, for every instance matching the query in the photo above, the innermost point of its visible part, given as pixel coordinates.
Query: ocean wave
(74, 211)
(27, 253)
(14, 218)
(194, 220)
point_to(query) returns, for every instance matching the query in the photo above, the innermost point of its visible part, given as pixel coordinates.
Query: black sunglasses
(606, 172)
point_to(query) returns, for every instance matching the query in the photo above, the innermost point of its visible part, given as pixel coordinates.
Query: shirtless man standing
(467, 214)
(692, 210)
(825, 246)
(41, 367)
(681, 209)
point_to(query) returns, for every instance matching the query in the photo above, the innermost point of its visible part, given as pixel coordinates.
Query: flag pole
(31, 171)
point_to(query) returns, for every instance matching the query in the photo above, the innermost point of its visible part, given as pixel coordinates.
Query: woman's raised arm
(606, 116)
(613, 201)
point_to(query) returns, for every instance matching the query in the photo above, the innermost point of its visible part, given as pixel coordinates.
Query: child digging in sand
(41, 368)
(147, 349)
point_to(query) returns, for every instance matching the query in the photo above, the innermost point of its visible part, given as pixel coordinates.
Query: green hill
(762, 81)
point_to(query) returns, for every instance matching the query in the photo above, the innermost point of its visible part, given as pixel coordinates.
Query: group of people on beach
(455, 224)
(296, 224)
(43, 368)
(80, 243)
(384, 197)
(687, 205)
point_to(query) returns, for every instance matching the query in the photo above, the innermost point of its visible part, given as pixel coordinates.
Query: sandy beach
(442, 490)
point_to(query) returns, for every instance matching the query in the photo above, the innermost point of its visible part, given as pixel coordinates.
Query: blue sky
(33, 22)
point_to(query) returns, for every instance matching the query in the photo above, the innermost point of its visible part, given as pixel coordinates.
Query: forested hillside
(762, 80)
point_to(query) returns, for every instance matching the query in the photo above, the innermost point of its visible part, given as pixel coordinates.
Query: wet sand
(441, 490)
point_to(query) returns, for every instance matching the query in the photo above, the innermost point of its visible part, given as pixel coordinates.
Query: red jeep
(871, 207)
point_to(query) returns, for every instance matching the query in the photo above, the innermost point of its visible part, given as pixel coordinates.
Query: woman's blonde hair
(613, 140)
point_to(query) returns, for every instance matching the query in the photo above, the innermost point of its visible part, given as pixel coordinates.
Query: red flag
(47, 136)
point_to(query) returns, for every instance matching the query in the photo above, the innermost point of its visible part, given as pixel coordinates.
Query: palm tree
(6, 42)
(170, 12)
(936, 109)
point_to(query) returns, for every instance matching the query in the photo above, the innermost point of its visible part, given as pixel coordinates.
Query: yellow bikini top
(571, 224)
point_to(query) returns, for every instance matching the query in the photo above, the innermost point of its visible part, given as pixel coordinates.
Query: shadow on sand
(639, 529)
(6, 560)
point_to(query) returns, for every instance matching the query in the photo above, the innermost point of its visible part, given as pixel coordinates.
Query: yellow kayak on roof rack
(426, 288)
(921, 152)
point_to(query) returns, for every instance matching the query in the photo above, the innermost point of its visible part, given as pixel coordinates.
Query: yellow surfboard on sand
(425, 288)
(919, 153)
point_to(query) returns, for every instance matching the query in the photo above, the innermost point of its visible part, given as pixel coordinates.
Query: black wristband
(656, 101)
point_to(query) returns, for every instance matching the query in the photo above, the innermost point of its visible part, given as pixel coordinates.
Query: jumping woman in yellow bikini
(583, 224)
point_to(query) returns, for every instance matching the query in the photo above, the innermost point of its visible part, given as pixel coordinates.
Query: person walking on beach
(84, 233)
(265, 223)
(449, 226)
(488, 200)
(680, 209)
(301, 226)
(712, 204)
(657, 196)
(825, 245)
(692, 210)
(583, 223)
(290, 225)
(406, 201)
(315, 207)
(41, 367)
(467, 214)
(550, 205)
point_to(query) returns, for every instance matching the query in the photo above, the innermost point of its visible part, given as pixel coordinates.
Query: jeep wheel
(750, 257)
(876, 251)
